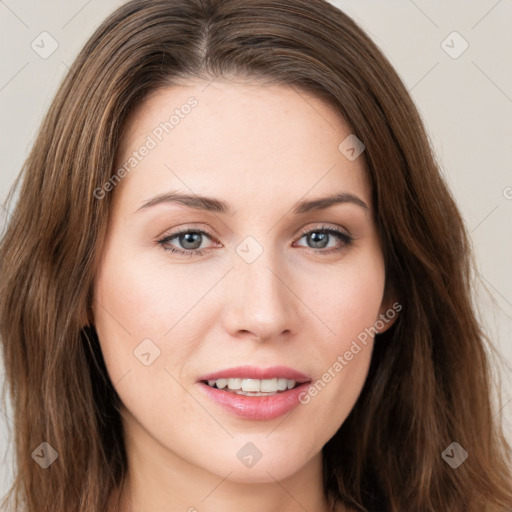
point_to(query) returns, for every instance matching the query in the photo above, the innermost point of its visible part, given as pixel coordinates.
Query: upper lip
(253, 372)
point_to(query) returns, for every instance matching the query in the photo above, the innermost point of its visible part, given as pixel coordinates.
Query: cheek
(350, 307)
(141, 309)
(351, 300)
(149, 290)
(139, 297)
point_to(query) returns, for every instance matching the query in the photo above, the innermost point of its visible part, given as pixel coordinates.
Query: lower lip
(257, 407)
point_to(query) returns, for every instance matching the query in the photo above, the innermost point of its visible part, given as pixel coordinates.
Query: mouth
(254, 387)
(256, 393)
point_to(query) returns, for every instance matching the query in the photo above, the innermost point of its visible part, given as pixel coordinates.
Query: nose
(260, 302)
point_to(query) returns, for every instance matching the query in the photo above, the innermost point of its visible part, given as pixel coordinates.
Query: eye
(190, 242)
(323, 238)
(185, 241)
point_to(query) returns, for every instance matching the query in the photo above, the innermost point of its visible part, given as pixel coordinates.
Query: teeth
(268, 385)
(282, 384)
(221, 383)
(234, 383)
(253, 385)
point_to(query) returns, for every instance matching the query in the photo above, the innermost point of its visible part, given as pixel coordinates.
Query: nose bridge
(260, 301)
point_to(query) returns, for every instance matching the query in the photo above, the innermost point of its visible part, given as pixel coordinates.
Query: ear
(388, 311)
(90, 315)
(87, 317)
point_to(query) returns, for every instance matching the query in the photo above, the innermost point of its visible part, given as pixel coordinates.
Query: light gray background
(466, 103)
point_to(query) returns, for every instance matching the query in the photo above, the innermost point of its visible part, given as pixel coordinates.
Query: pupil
(319, 240)
(187, 240)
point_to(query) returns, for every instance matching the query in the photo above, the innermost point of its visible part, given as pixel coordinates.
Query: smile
(253, 387)
(256, 393)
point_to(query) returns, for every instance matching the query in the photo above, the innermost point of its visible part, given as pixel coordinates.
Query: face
(219, 255)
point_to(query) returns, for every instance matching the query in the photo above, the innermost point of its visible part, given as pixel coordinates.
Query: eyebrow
(217, 206)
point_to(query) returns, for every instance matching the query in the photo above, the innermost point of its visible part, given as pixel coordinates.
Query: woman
(234, 279)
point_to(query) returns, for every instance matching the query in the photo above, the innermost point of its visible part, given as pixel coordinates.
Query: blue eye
(189, 241)
(321, 238)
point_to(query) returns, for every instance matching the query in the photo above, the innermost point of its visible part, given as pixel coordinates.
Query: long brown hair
(430, 381)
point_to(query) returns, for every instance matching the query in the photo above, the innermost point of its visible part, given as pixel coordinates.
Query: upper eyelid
(324, 227)
(302, 232)
(180, 231)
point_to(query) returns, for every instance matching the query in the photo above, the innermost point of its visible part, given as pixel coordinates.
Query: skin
(261, 149)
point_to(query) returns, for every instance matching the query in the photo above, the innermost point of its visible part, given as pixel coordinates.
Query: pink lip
(257, 407)
(252, 372)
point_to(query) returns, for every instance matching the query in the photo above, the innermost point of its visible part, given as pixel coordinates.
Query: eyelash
(346, 240)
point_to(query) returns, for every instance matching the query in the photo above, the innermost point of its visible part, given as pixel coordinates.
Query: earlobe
(390, 306)
(90, 315)
(388, 314)
(87, 318)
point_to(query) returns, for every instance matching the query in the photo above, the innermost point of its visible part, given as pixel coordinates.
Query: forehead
(238, 140)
